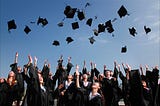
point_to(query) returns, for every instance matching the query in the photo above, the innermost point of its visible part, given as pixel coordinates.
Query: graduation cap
(89, 22)
(87, 4)
(56, 43)
(124, 49)
(101, 28)
(122, 11)
(60, 24)
(42, 21)
(95, 32)
(109, 26)
(69, 12)
(11, 25)
(92, 40)
(132, 31)
(80, 15)
(69, 40)
(27, 29)
(75, 25)
(147, 30)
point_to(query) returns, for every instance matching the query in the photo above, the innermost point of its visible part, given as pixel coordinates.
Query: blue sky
(141, 49)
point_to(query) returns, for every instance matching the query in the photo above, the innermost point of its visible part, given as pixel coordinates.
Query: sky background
(141, 49)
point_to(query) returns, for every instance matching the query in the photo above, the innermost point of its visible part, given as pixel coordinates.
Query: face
(1, 80)
(19, 69)
(70, 77)
(40, 78)
(11, 74)
(111, 73)
(144, 84)
(95, 86)
(85, 76)
(108, 74)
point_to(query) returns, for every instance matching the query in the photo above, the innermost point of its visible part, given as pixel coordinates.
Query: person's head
(85, 77)
(70, 77)
(111, 73)
(19, 69)
(144, 83)
(107, 73)
(40, 79)
(11, 78)
(95, 87)
(101, 76)
(2, 80)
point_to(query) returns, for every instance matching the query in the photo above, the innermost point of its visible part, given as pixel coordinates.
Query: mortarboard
(56, 43)
(60, 24)
(69, 40)
(124, 49)
(101, 28)
(132, 31)
(147, 30)
(69, 12)
(95, 32)
(122, 11)
(75, 25)
(43, 21)
(89, 22)
(11, 25)
(27, 29)
(109, 27)
(92, 40)
(81, 15)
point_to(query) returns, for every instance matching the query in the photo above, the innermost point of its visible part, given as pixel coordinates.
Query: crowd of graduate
(83, 88)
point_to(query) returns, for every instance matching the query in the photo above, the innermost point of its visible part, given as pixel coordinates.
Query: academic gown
(95, 101)
(86, 90)
(20, 82)
(3, 94)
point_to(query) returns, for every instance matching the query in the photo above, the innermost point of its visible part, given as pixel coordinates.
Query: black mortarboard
(11, 25)
(92, 40)
(109, 26)
(95, 32)
(122, 11)
(132, 31)
(56, 43)
(40, 20)
(60, 24)
(27, 29)
(89, 21)
(87, 4)
(69, 12)
(124, 49)
(75, 25)
(69, 40)
(101, 28)
(147, 30)
(43, 21)
(81, 15)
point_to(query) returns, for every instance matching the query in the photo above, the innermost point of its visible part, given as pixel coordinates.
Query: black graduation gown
(86, 90)
(3, 94)
(33, 92)
(157, 97)
(96, 101)
(136, 92)
(125, 89)
(11, 94)
(107, 90)
(20, 82)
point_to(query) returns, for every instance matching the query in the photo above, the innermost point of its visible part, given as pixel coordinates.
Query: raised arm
(77, 76)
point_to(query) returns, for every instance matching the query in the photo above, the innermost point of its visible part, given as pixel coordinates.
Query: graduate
(20, 81)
